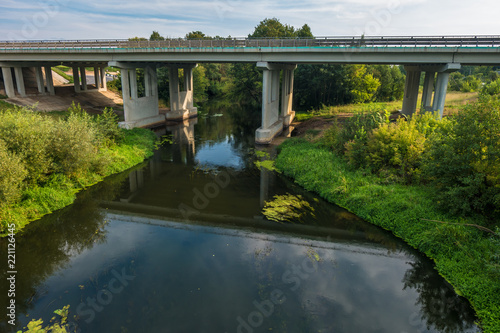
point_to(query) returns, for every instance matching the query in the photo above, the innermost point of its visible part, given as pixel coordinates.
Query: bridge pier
(139, 110)
(272, 122)
(181, 101)
(8, 82)
(433, 97)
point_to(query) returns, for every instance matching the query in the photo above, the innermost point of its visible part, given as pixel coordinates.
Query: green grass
(467, 257)
(64, 75)
(454, 100)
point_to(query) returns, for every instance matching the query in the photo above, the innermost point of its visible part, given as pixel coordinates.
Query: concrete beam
(440, 94)
(83, 75)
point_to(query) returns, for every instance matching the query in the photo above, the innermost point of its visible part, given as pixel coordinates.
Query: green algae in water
(287, 208)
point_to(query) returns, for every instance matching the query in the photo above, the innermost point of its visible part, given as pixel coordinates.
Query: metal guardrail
(393, 41)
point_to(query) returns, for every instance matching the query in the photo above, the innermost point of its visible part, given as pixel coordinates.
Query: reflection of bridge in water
(436, 56)
(133, 207)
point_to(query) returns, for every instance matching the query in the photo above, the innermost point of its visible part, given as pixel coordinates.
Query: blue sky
(92, 19)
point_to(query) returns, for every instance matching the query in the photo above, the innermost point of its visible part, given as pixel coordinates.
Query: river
(180, 244)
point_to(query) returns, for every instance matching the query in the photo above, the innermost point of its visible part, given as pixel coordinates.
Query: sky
(118, 19)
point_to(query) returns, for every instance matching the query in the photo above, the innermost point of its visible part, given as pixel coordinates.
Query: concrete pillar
(83, 75)
(440, 94)
(8, 82)
(104, 83)
(39, 80)
(428, 90)
(49, 80)
(287, 96)
(132, 77)
(139, 111)
(21, 89)
(76, 79)
(181, 102)
(97, 78)
(411, 90)
(125, 84)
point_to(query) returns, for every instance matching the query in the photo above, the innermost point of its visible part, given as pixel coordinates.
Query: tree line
(314, 85)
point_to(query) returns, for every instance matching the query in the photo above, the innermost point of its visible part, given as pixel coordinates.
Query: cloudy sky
(92, 19)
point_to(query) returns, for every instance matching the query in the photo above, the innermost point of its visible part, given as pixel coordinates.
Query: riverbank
(464, 255)
(47, 159)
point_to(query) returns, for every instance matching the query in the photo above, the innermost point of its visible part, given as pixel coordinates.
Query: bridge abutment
(181, 101)
(272, 121)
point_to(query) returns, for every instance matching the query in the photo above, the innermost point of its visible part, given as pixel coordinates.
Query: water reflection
(214, 271)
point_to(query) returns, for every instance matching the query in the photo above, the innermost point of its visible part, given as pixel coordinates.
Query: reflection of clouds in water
(219, 154)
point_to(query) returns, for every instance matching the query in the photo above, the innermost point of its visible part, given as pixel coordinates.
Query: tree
(156, 36)
(273, 28)
(197, 35)
(304, 32)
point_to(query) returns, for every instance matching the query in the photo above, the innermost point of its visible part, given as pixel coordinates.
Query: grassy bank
(462, 254)
(433, 183)
(46, 160)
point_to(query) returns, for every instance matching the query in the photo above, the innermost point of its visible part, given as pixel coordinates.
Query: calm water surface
(179, 244)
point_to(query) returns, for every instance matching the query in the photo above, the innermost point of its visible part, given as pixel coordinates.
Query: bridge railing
(344, 42)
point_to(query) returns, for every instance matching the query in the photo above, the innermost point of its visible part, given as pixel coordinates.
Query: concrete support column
(49, 80)
(132, 77)
(83, 74)
(18, 71)
(125, 84)
(97, 78)
(8, 82)
(428, 90)
(181, 102)
(76, 79)
(287, 96)
(411, 90)
(139, 111)
(440, 94)
(104, 83)
(39, 80)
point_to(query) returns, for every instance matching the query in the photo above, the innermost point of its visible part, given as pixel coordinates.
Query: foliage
(463, 161)
(465, 256)
(492, 88)
(56, 325)
(287, 208)
(396, 149)
(155, 35)
(46, 160)
(362, 84)
(12, 175)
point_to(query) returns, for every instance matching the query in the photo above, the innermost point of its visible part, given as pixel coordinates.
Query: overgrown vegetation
(434, 183)
(56, 325)
(45, 160)
(61, 71)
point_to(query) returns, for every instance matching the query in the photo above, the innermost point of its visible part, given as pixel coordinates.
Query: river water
(180, 244)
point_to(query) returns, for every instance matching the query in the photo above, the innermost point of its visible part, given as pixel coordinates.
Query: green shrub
(107, 125)
(463, 160)
(12, 174)
(357, 127)
(492, 88)
(74, 144)
(28, 134)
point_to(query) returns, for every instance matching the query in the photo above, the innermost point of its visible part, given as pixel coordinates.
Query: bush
(27, 135)
(12, 174)
(463, 160)
(492, 88)
(74, 143)
(107, 126)
(396, 149)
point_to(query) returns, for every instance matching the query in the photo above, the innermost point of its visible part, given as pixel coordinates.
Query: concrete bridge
(435, 56)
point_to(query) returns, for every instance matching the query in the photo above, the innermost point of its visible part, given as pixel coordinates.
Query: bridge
(436, 56)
